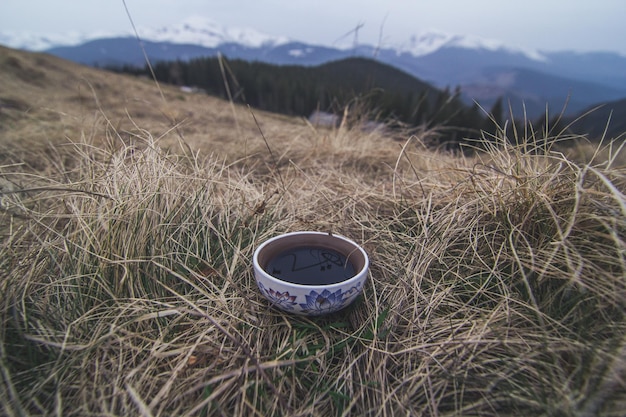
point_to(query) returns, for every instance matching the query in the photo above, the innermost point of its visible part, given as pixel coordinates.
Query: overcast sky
(581, 25)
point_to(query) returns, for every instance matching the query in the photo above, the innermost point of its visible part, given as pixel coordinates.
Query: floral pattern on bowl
(326, 301)
(316, 303)
(281, 299)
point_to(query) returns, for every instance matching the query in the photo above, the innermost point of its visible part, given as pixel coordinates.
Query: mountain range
(531, 81)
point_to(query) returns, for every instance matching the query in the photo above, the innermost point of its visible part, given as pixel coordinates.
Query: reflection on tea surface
(310, 266)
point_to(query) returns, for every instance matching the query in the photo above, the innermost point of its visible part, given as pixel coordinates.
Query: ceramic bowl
(310, 273)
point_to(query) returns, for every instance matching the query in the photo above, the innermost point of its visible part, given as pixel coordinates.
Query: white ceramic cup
(310, 299)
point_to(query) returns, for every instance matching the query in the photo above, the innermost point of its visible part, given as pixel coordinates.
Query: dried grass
(497, 284)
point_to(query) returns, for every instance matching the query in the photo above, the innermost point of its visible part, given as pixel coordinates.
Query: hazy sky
(581, 25)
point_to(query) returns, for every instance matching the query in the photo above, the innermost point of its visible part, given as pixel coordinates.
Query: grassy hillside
(45, 99)
(128, 219)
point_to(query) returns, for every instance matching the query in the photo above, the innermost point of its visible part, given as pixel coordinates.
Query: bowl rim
(358, 276)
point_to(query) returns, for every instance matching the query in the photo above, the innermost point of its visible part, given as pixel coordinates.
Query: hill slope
(496, 282)
(47, 99)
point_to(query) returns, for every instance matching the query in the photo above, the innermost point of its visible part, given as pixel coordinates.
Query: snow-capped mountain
(208, 33)
(432, 41)
(192, 31)
(205, 32)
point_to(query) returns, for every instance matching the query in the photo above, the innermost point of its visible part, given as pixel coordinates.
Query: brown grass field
(128, 218)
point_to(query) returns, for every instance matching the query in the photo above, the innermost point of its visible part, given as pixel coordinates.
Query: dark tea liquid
(310, 266)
